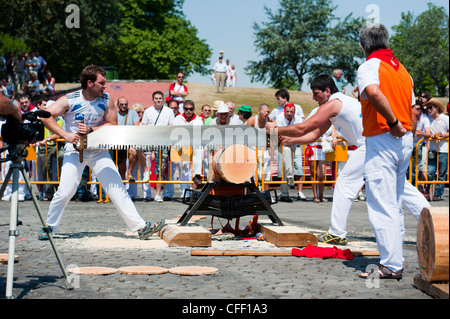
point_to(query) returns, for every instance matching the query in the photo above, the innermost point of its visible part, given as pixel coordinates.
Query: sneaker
(361, 196)
(332, 240)
(290, 182)
(6, 198)
(146, 177)
(42, 235)
(150, 229)
(131, 179)
(301, 196)
(158, 199)
(167, 199)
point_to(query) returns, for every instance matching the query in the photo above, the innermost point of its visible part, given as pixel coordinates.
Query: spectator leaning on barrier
(438, 151)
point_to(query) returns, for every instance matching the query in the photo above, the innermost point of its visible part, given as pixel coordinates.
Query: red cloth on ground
(322, 252)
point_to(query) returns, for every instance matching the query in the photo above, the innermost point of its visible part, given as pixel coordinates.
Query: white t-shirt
(439, 125)
(152, 116)
(280, 110)
(181, 120)
(422, 123)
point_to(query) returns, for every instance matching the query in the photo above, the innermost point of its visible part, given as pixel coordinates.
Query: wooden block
(287, 236)
(186, 236)
(436, 290)
(4, 259)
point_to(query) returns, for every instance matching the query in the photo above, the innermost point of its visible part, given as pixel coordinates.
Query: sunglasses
(188, 109)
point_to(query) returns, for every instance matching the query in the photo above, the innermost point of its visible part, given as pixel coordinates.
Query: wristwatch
(391, 125)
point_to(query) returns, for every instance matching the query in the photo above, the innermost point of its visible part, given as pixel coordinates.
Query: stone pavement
(93, 234)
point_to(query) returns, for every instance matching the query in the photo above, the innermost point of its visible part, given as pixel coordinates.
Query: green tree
(422, 44)
(158, 42)
(145, 39)
(305, 38)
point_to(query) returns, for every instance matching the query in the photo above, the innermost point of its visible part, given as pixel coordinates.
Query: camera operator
(8, 108)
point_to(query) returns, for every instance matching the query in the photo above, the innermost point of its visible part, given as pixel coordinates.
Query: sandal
(316, 200)
(382, 272)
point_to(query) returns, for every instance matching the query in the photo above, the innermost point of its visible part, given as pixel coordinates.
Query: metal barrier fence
(266, 177)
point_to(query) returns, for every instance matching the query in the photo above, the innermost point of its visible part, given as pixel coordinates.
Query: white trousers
(350, 180)
(107, 174)
(387, 159)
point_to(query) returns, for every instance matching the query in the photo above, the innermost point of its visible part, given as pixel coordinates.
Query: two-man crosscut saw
(123, 137)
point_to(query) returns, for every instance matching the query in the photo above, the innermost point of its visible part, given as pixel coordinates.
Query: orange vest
(397, 87)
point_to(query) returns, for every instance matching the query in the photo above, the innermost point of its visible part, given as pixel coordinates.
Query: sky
(228, 26)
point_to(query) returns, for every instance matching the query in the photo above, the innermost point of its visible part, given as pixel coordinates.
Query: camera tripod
(15, 155)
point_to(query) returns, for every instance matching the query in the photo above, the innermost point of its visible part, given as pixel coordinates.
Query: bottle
(260, 236)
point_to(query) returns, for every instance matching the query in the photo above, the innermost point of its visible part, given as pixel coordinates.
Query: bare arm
(321, 118)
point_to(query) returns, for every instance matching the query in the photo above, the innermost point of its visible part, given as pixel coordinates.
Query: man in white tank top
(84, 111)
(344, 113)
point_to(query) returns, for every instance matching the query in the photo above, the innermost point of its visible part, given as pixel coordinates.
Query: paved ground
(93, 234)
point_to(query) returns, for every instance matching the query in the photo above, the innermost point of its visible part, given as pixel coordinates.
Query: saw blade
(177, 136)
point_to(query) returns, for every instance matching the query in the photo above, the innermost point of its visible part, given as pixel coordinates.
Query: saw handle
(82, 145)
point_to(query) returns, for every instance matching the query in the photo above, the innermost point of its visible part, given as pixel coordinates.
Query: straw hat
(215, 107)
(437, 103)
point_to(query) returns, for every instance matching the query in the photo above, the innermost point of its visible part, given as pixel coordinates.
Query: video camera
(30, 131)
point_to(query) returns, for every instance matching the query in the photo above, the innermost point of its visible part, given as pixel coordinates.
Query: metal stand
(229, 207)
(14, 170)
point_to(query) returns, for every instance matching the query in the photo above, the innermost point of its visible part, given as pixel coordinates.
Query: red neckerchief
(192, 118)
(29, 110)
(387, 56)
(288, 105)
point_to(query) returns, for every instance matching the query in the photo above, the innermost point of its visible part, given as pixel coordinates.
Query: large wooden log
(235, 164)
(432, 244)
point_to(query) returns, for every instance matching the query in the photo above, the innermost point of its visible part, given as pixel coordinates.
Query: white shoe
(6, 198)
(21, 198)
(301, 196)
(158, 199)
(146, 177)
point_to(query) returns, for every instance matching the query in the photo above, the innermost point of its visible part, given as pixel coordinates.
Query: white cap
(223, 108)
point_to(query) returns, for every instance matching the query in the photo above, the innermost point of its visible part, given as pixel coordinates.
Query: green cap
(245, 108)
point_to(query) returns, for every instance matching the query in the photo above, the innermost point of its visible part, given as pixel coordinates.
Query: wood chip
(143, 270)
(93, 271)
(193, 270)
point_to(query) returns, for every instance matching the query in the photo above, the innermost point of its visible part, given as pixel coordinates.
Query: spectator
(49, 83)
(141, 157)
(244, 113)
(7, 89)
(189, 118)
(178, 91)
(41, 66)
(50, 154)
(32, 88)
(213, 114)
(228, 79)
(206, 112)
(159, 115)
(283, 98)
(289, 168)
(19, 72)
(223, 117)
(422, 131)
(231, 109)
(10, 69)
(337, 78)
(220, 73)
(32, 64)
(425, 96)
(124, 117)
(233, 78)
(438, 151)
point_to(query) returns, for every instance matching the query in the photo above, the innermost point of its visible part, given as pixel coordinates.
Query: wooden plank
(287, 236)
(436, 290)
(186, 236)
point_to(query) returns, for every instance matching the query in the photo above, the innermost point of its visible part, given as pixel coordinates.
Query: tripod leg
(13, 233)
(5, 182)
(45, 226)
